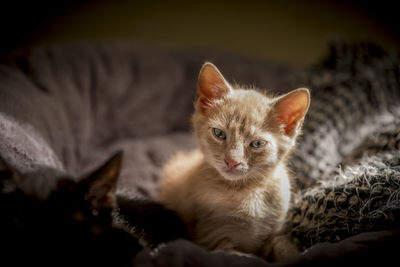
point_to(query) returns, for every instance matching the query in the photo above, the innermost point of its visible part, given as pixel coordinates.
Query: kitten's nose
(231, 163)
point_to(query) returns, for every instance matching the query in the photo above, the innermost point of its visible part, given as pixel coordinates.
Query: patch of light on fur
(254, 204)
(236, 153)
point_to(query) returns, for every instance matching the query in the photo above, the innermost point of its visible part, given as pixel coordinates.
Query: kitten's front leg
(279, 248)
(239, 253)
(227, 247)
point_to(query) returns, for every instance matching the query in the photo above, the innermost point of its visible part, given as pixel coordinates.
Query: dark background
(288, 31)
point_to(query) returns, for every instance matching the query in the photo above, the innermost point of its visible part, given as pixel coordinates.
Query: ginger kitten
(233, 193)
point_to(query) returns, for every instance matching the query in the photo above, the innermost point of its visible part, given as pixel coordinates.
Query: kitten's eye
(258, 143)
(219, 133)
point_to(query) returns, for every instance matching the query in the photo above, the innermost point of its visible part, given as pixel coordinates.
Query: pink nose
(231, 163)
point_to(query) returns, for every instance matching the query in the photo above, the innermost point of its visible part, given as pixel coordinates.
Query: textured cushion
(348, 161)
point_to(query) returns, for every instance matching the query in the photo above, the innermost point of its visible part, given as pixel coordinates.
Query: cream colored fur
(239, 210)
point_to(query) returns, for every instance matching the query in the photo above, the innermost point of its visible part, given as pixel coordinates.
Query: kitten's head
(244, 133)
(51, 196)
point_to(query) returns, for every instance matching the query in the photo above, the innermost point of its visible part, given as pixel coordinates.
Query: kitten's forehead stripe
(245, 114)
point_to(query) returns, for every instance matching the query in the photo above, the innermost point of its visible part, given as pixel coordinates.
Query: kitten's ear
(101, 183)
(291, 110)
(211, 86)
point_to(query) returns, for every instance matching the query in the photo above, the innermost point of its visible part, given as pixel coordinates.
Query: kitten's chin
(233, 175)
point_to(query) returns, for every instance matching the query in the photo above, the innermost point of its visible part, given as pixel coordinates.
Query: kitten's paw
(281, 247)
(236, 252)
(242, 254)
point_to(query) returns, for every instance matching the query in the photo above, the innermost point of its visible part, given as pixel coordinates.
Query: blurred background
(289, 31)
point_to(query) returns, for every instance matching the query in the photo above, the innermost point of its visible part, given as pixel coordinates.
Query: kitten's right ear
(211, 86)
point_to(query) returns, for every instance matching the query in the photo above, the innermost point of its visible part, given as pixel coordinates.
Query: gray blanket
(68, 107)
(348, 161)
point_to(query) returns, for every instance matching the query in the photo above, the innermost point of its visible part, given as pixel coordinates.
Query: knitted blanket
(348, 161)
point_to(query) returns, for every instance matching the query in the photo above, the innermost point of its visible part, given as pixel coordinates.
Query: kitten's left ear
(102, 182)
(291, 110)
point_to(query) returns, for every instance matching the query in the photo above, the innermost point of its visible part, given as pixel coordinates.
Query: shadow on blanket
(64, 108)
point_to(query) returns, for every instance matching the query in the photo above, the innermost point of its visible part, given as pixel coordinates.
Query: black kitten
(70, 225)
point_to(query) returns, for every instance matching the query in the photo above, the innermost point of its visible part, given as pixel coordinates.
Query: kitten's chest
(245, 219)
(255, 203)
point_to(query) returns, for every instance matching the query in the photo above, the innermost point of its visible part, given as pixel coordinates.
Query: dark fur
(150, 221)
(48, 218)
(66, 228)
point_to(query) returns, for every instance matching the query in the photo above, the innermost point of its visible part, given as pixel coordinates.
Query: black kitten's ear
(102, 182)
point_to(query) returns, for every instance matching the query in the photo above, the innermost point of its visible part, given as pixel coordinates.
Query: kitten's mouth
(233, 171)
